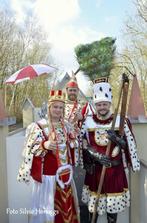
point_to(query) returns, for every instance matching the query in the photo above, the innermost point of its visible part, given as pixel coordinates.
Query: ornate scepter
(122, 97)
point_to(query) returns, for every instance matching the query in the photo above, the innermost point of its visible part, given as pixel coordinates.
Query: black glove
(104, 160)
(116, 139)
(99, 158)
(88, 162)
(87, 157)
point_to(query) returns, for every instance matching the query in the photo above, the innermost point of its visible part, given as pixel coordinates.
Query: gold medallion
(101, 137)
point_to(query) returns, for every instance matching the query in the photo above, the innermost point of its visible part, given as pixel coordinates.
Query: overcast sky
(71, 22)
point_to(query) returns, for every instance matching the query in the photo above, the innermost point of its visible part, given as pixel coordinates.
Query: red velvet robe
(115, 178)
(64, 199)
(115, 193)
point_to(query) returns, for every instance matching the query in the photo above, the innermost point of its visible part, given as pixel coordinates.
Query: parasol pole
(12, 99)
(38, 91)
(77, 71)
(87, 100)
(54, 81)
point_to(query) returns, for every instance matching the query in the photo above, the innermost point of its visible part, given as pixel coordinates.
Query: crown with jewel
(56, 95)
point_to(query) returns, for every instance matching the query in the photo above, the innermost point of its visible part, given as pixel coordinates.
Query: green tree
(96, 59)
(19, 47)
(134, 55)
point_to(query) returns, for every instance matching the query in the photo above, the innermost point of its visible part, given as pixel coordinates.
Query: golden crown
(56, 95)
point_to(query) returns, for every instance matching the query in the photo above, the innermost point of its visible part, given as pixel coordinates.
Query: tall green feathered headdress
(96, 59)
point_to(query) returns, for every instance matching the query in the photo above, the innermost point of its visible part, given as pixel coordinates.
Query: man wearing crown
(94, 138)
(73, 114)
(47, 160)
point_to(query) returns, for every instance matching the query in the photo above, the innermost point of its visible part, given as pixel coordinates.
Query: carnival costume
(71, 109)
(94, 137)
(54, 193)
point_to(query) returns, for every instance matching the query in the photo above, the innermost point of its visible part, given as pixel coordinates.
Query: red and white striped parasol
(30, 72)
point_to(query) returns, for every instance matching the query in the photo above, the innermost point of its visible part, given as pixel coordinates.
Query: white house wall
(143, 194)
(19, 195)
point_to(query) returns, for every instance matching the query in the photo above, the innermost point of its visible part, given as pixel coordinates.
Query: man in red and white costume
(47, 159)
(95, 134)
(73, 114)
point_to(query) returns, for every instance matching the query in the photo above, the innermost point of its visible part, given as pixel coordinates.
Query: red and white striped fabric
(30, 72)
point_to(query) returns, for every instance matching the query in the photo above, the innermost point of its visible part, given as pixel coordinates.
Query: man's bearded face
(72, 93)
(103, 108)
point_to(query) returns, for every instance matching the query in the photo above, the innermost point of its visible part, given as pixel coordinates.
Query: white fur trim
(111, 203)
(33, 138)
(132, 148)
(59, 171)
(102, 92)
